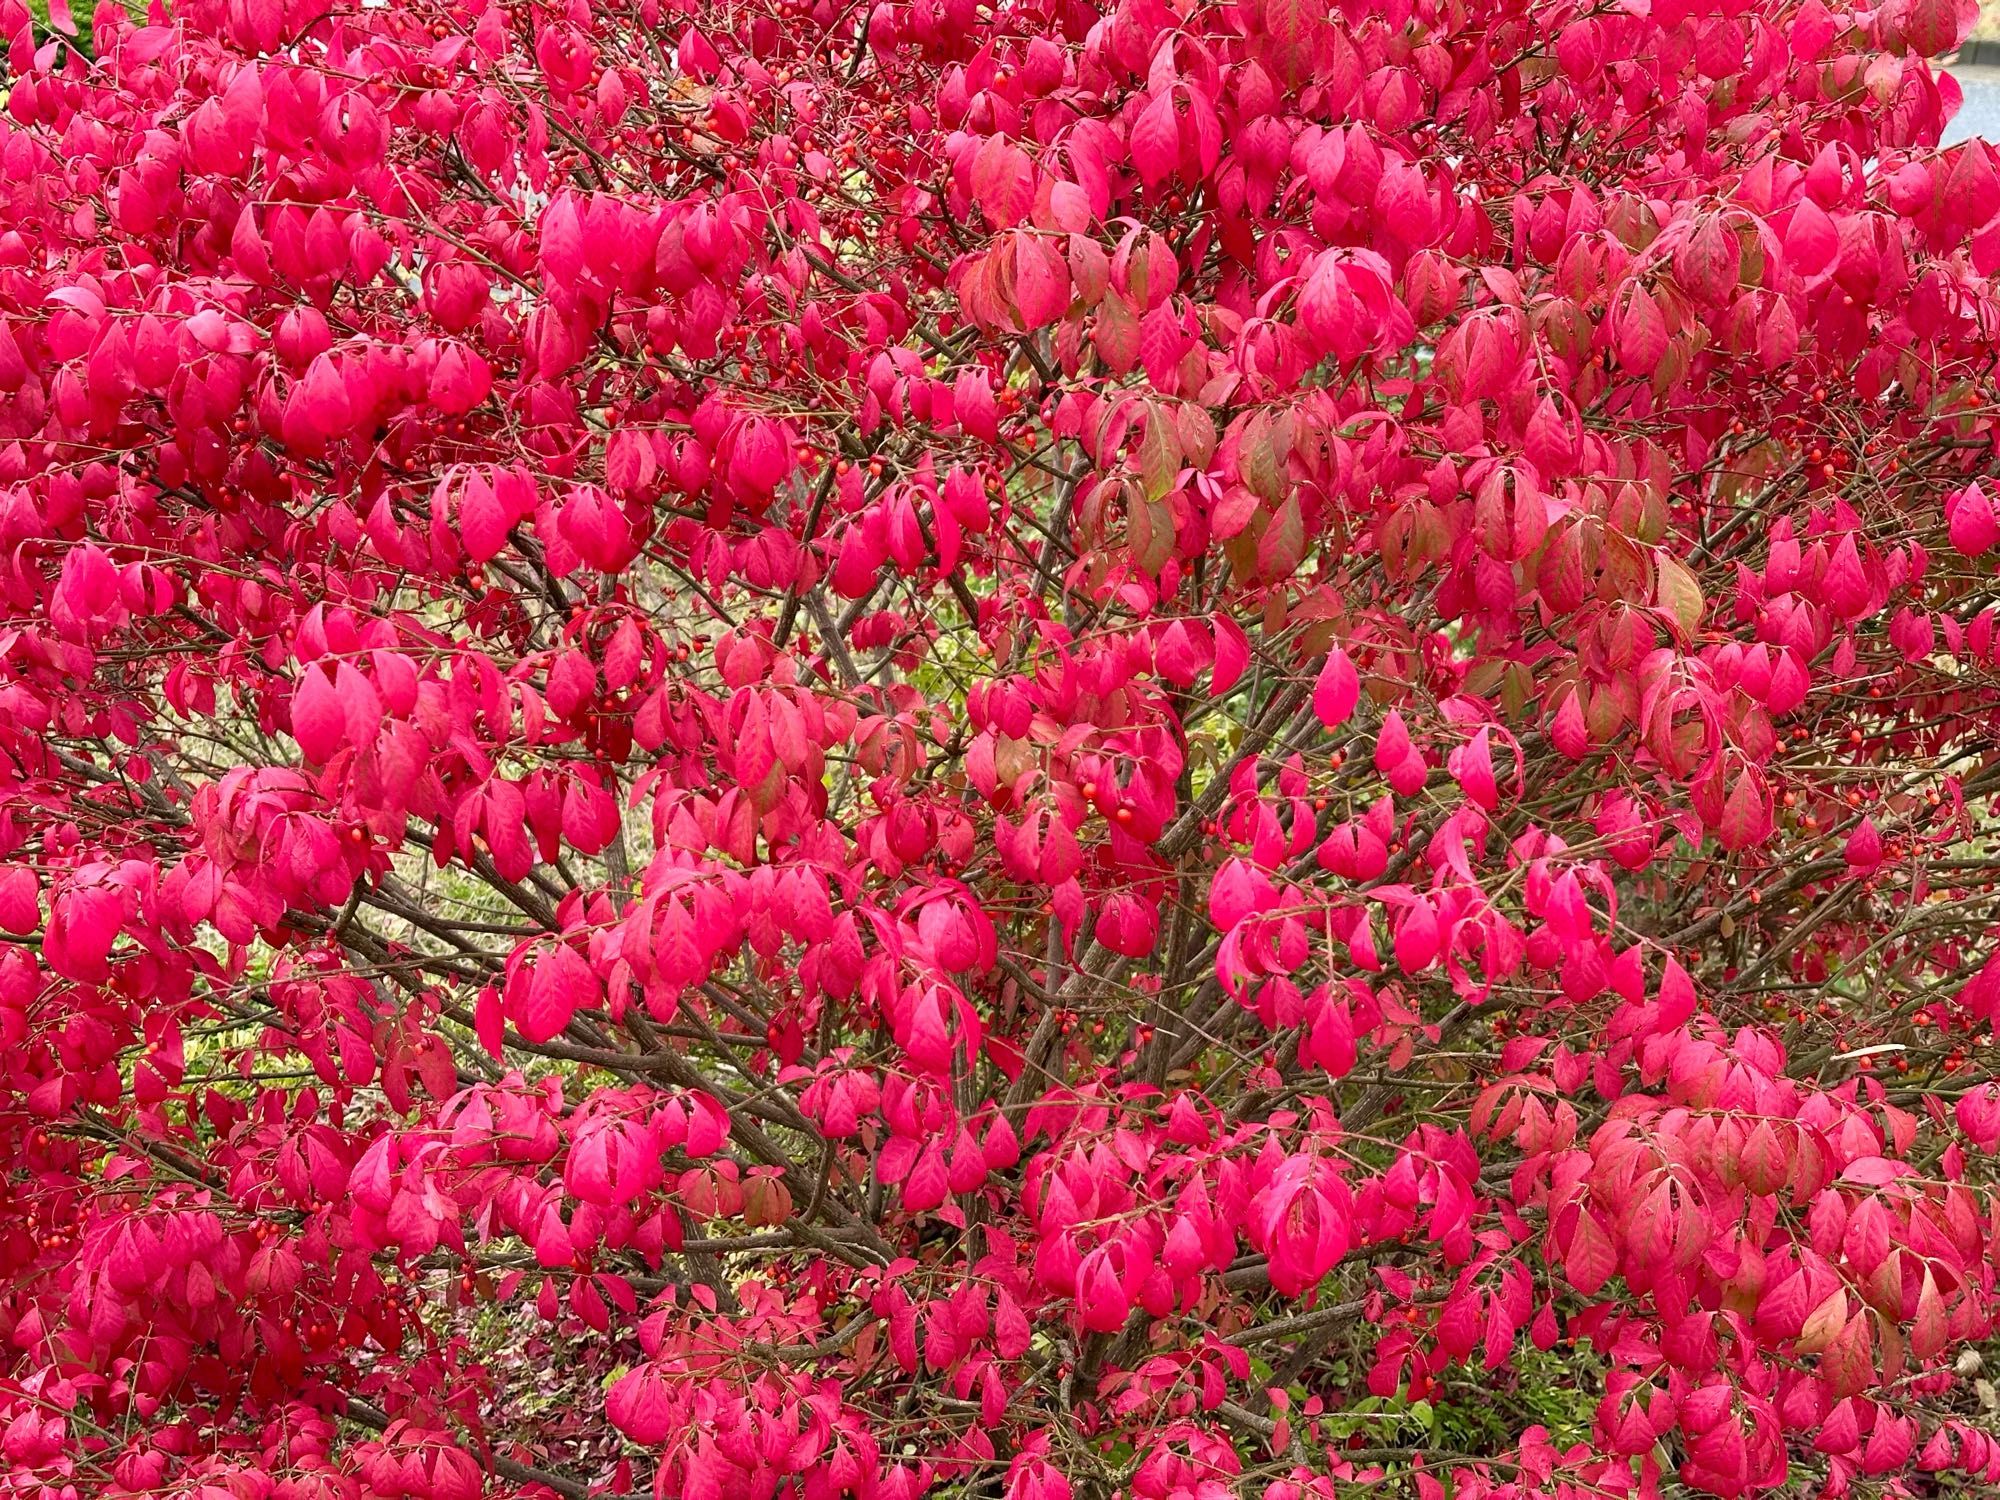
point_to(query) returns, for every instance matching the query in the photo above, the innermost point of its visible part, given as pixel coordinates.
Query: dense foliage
(1047, 748)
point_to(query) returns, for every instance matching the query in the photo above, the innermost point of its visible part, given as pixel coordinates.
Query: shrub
(1038, 749)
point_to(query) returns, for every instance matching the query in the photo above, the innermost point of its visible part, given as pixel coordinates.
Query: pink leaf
(20, 900)
(319, 719)
(1337, 690)
(1156, 140)
(1003, 181)
(1971, 520)
(1812, 244)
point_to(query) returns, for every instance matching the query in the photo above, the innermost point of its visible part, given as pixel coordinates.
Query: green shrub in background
(80, 12)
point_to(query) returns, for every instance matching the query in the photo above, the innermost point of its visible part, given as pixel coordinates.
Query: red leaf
(1337, 691)
(483, 522)
(1003, 181)
(639, 1406)
(1642, 334)
(1745, 819)
(1041, 281)
(1589, 1260)
(1971, 521)
(1812, 244)
(319, 719)
(1156, 140)
(1293, 31)
(20, 900)
(1232, 655)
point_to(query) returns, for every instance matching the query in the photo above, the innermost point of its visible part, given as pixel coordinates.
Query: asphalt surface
(1980, 115)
